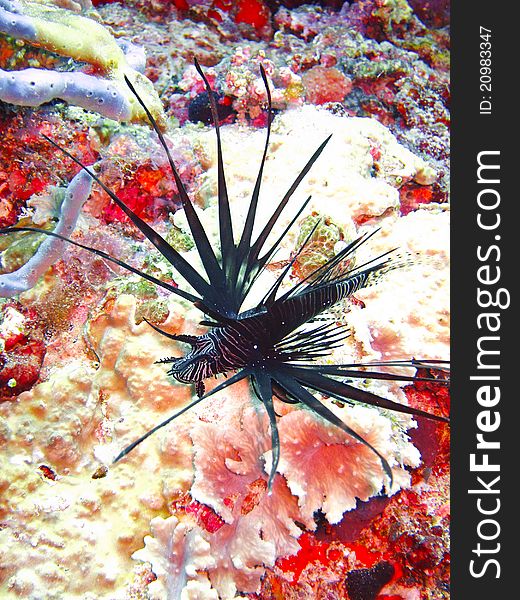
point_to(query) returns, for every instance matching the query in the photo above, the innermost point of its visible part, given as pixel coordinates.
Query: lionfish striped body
(261, 337)
(276, 343)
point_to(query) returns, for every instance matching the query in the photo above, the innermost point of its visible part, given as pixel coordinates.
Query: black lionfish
(267, 344)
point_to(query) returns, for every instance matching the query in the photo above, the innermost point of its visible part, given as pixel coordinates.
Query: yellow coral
(71, 35)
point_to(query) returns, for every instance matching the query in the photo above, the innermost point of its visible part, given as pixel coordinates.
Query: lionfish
(267, 344)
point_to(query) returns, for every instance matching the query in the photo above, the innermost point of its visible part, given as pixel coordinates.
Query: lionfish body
(275, 345)
(260, 337)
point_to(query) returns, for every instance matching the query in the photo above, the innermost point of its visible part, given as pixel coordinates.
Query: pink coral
(229, 477)
(325, 84)
(328, 470)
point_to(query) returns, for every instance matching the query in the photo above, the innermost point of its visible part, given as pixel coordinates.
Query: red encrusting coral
(345, 566)
(33, 162)
(311, 551)
(249, 12)
(252, 12)
(413, 195)
(206, 517)
(23, 350)
(388, 555)
(432, 438)
(140, 194)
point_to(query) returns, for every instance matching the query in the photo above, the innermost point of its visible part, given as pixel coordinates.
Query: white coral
(179, 555)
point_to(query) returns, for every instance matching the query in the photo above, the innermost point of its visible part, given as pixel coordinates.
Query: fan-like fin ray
(227, 243)
(150, 432)
(315, 339)
(232, 380)
(260, 241)
(197, 282)
(350, 371)
(263, 387)
(185, 339)
(323, 384)
(244, 245)
(262, 262)
(209, 260)
(426, 363)
(319, 276)
(116, 261)
(270, 297)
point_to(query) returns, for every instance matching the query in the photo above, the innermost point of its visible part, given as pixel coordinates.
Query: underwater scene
(224, 299)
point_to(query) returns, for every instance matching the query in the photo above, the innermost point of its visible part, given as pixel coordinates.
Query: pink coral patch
(326, 468)
(325, 84)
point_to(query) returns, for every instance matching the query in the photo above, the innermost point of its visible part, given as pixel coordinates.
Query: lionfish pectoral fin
(237, 377)
(112, 259)
(131, 446)
(231, 381)
(172, 256)
(200, 388)
(359, 370)
(296, 390)
(264, 389)
(333, 271)
(280, 393)
(315, 380)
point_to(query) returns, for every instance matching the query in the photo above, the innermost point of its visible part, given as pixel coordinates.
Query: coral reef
(22, 349)
(188, 513)
(127, 393)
